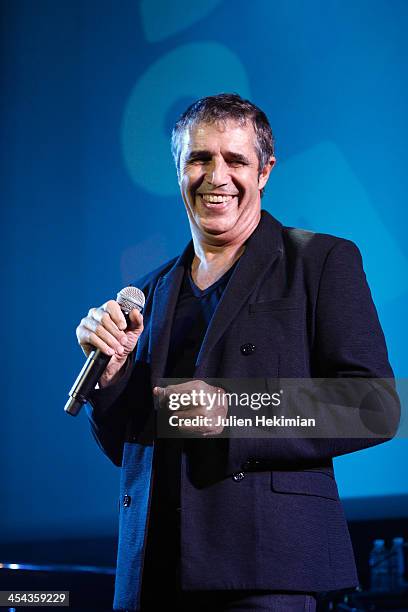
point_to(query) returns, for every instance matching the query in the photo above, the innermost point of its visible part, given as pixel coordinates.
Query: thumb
(135, 321)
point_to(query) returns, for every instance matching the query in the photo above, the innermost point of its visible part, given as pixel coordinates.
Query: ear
(265, 172)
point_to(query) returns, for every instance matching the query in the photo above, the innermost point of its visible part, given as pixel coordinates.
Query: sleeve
(122, 410)
(349, 340)
(121, 407)
(348, 346)
(108, 414)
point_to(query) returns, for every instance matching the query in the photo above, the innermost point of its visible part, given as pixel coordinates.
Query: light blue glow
(188, 72)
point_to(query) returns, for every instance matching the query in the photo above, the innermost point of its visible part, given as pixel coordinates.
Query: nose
(217, 172)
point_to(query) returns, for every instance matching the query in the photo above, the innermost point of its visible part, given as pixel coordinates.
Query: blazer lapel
(262, 248)
(163, 309)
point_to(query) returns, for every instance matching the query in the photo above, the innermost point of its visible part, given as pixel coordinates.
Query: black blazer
(255, 513)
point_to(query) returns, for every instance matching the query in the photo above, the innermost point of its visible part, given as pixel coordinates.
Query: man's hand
(105, 328)
(192, 399)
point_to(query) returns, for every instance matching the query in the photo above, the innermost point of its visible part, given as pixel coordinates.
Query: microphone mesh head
(130, 297)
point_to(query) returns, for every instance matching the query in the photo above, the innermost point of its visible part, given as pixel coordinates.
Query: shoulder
(316, 246)
(305, 244)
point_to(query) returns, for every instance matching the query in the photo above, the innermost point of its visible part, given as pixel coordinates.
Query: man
(232, 524)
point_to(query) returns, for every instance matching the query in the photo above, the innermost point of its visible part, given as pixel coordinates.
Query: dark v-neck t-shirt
(194, 311)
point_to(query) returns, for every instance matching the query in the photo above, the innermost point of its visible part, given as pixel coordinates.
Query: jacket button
(238, 476)
(248, 348)
(126, 501)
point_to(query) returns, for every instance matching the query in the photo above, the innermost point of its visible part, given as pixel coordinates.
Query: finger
(116, 314)
(104, 318)
(199, 387)
(90, 341)
(173, 400)
(159, 396)
(178, 389)
(163, 392)
(135, 320)
(97, 328)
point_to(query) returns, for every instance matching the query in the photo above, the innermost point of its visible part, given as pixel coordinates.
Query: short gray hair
(225, 107)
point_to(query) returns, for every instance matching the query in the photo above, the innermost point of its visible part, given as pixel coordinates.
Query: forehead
(228, 135)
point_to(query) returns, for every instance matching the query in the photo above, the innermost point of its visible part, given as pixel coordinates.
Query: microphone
(128, 299)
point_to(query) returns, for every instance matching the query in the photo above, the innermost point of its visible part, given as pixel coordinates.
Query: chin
(219, 227)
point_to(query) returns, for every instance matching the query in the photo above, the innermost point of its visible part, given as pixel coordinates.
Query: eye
(198, 160)
(235, 160)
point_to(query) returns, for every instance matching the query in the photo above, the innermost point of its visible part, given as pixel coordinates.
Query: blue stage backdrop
(89, 93)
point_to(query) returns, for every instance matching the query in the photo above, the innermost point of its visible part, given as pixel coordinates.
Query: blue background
(89, 93)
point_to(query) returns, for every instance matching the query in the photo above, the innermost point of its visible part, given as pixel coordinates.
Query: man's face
(220, 180)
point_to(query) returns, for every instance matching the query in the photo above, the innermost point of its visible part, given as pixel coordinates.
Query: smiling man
(223, 166)
(210, 522)
(221, 180)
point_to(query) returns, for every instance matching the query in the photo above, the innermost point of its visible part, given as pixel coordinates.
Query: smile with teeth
(208, 197)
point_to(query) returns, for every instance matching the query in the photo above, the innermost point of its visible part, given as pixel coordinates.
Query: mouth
(215, 201)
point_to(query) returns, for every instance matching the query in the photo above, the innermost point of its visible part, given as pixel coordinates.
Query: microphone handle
(91, 372)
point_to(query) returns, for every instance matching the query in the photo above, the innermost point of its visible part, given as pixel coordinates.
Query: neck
(212, 260)
(208, 256)
(212, 248)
